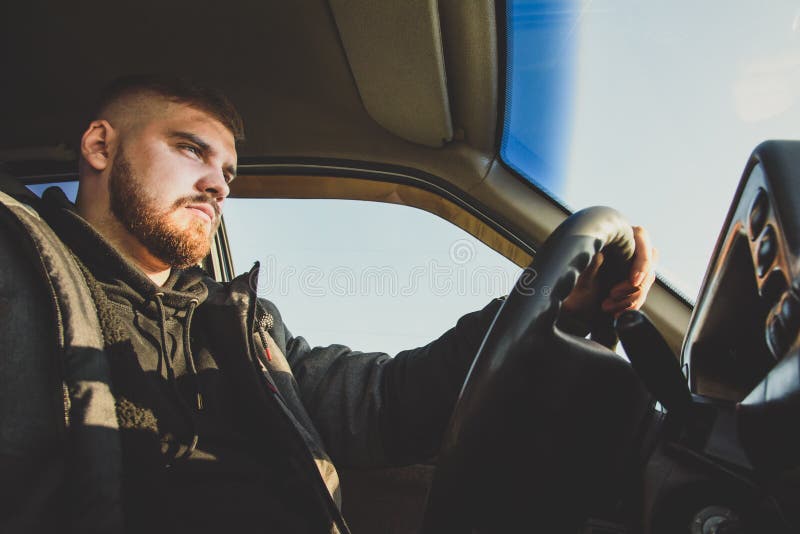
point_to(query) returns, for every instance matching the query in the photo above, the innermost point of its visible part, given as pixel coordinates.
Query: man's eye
(193, 149)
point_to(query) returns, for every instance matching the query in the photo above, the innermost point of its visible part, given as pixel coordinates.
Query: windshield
(650, 107)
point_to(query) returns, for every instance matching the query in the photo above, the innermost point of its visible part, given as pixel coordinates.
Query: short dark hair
(175, 89)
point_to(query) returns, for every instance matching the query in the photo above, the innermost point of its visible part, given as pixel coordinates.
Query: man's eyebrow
(205, 147)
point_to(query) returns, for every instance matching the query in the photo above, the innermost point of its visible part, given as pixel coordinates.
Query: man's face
(168, 181)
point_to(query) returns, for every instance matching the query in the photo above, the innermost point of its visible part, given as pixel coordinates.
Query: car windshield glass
(650, 107)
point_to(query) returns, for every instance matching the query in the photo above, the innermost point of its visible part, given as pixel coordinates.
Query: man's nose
(214, 184)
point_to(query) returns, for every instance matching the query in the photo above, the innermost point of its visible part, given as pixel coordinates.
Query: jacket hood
(124, 280)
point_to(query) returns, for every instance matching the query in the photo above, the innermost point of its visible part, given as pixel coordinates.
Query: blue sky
(652, 108)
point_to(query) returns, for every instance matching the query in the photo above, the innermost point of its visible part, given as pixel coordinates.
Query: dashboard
(747, 318)
(735, 459)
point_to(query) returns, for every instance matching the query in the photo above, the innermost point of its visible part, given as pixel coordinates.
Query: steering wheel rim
(523, 346)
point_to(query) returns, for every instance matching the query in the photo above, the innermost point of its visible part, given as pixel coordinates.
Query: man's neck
(128, 246)
(137, 254)
(159, 278)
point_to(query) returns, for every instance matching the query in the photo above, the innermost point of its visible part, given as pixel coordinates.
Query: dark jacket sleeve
(374, 410)
(421, 387)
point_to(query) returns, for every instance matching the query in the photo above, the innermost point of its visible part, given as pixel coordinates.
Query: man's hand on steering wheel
(585, 301)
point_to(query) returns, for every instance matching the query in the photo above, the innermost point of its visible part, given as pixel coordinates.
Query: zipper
(312, 469)
(60, 350)
(67, 403)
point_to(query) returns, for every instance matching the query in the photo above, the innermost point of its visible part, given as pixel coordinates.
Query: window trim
(346, 188)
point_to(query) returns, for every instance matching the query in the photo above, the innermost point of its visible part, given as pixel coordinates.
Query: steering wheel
(545, 431)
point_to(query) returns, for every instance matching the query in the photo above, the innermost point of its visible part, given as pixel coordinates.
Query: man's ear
(95, 144)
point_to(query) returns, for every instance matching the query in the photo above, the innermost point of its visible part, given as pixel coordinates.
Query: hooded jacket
(298, 409)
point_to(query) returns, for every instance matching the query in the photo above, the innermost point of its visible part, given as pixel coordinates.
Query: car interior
(402, 102)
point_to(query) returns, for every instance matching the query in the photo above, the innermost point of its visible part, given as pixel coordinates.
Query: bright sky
(375, 277)
(667, 101)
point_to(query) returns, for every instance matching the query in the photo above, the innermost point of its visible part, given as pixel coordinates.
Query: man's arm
(374, 410)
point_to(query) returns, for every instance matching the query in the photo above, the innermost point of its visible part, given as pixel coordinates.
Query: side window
(70, 188)
(370, 275)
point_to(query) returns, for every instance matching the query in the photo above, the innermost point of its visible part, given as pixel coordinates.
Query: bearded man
(160, 400)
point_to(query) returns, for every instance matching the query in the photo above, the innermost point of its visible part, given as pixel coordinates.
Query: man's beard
(135, 209)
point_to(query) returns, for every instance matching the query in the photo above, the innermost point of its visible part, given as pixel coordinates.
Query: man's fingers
(630, 294)
(643, 259)
(616, 307)
(588, 275)
(622, 300)
(622, 289)
(633, 299)
(591, 270)
(596, 263)
(626, 288)
(650, 280)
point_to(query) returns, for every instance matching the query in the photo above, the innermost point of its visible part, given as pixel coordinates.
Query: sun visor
(394, 48)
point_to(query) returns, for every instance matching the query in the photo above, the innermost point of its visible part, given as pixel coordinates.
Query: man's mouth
(204, 210)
